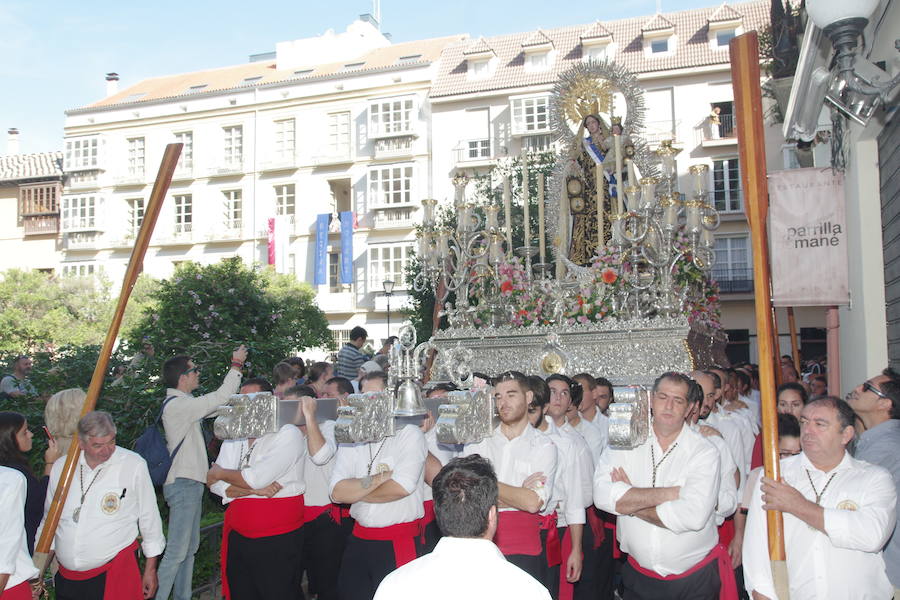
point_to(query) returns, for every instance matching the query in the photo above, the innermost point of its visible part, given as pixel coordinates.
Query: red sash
(257, 518)
(554, 552)
(726, 531)
(311, 513)
(726, 574)
(402, 535)
(595, 522)
(518, 532)
(123, 577)
(616, 551)
(20, 592)
(566, 589)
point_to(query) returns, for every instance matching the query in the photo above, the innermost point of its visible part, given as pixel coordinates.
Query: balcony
(138, 178)
(400, 216)
(227, 170)
(82, 241)
(330, 158)
(41, 224)
(725, 134)
(473, 153)
(81, 224)
(125, 241)
(83, 181)
(182, 233)
(397, 146)
(183, 173)
(657, 131)
(279, 163)
(733, 281)
(231, 231)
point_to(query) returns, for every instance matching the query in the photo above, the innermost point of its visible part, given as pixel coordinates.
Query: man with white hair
(111, 502)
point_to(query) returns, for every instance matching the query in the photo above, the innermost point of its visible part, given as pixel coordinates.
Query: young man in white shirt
(665, 493)
(465, 563)
(262, 483)
(838, 514)
(16, 568)
(525, 461)
(111, 502)
(183, 489)
(383, 482)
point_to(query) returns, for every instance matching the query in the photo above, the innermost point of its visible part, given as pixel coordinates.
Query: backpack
(151, 446)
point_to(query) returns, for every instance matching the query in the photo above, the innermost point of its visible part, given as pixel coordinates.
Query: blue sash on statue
(597, 156)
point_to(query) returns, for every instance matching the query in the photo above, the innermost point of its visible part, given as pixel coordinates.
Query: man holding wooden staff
(112, 501)
(838, 514)
(665, 492)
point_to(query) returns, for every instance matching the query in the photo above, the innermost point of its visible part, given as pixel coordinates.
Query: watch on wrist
(366, 482)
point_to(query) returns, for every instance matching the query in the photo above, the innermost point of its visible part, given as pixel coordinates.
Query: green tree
(206, 311)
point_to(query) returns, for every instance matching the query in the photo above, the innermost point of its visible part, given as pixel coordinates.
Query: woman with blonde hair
(61, 415)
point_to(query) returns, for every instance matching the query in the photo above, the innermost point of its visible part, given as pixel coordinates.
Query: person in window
(715, 123)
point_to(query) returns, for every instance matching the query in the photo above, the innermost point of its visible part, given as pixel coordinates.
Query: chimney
(112, 84)
(12, 142)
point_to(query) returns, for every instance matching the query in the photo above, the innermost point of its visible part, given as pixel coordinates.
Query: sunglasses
(869, 387)
(192, 370)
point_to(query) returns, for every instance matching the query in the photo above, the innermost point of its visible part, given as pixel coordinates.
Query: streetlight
(388, 292)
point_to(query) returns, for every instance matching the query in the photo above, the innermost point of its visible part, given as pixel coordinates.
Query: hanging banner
(321, 271)
(282, 243)
(808, 237)
(347, 247)
(271, 247)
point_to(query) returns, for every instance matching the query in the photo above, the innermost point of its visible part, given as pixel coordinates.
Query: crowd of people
(542, 508)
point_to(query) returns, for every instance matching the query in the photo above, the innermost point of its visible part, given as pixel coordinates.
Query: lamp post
(388, 292)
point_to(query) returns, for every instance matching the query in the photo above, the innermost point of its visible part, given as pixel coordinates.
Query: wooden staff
(135, 265)
(776, 340)
(744, 51)
(795, 347)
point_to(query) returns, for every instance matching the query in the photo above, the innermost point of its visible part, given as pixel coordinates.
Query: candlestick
(507, 213)
(541, 235)
(598, 184)
(620, 203)
(525, 199)
(632, 177)
(561, 240)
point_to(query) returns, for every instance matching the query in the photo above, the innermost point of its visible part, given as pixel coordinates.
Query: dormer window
(595, 52)
(659, 46)
(537, 61)
(479, 68)
(724, 36)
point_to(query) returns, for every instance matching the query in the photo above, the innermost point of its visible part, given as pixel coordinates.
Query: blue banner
(347, 247)
(321, 272)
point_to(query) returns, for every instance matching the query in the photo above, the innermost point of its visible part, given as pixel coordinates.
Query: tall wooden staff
(795, 347)
(135, 265)
(744, 51)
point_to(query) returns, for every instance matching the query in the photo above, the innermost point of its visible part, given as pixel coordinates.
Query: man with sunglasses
(876, 403)
(183, 490)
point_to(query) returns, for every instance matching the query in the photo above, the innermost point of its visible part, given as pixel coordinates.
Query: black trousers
(323, 547)
(586, 588)
(606, 566)
(702, 585)
(364, 564)
(265, 568)
(432, 537)
(88, 589)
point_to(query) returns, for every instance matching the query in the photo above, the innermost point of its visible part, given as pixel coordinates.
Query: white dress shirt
(119, 502)
(404, 454)
(572, 491)
(845, 562)
(443, 452)
(461, 568)
(690, 521)
(319, 468)
(728, 489)
(279, 456)
(732, 428)
(595, 433)
(14, 558)
(516, 459)
(181, 421)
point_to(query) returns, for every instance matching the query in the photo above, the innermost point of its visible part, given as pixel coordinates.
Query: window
(727, 185)
(38, 199)
(285, 200)
(391, 116)
(339, 134)
(184, 213)
(78, 269)
(284, 139)
(292, 264)
(597, 52)
(136, 157)
(723, 36)
(659, 46)
(79, 212)
(479, 69)
(529, 114)
(81, 153)
(340, 337)
(537, 61)
(136, 209)
(334, 272)
(537, 143)
(390, 185)
(476, 149)
(186, 160)
(738, 348)
(388, 262)
(194, 89)
(234, 145)
(233, 209)
(733, 269)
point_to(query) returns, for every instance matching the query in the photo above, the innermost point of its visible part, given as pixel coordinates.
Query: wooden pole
(795, 345)
(135, 265)
(744, 51)
(776, 341)
(833, 350)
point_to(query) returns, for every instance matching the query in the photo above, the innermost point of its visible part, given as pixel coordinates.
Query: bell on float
(409, 400)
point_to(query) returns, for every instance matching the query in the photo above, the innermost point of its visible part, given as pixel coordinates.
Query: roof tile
(595, 31)
(725, 13)
(538, 38)
(15, 167)
(479, 46)
(657, 23)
